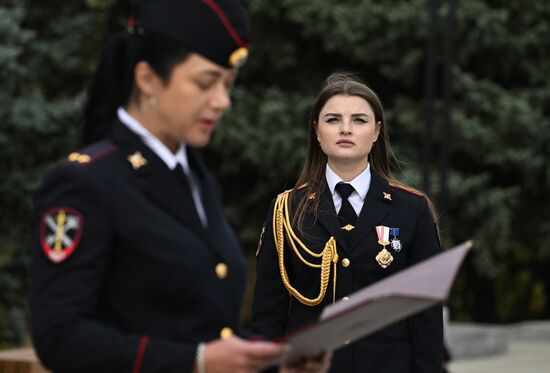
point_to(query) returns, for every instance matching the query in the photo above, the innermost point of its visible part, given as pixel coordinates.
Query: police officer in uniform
(346, 225)
(134, 267)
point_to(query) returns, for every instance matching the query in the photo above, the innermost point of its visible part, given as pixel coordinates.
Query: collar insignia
(136, 160)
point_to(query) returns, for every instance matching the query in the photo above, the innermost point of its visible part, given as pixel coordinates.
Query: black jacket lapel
(156, 180)
(328, 217)
(377, 205)
(216, 231)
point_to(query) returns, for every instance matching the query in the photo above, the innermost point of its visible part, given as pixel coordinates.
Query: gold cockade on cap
(238, 58)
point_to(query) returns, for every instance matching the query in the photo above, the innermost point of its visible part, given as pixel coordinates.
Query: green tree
(45, 56)
(498, 142)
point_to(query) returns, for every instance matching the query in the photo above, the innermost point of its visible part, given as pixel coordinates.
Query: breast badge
(395, 243)
(60, 232)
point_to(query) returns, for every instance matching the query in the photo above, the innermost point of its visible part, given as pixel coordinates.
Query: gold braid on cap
(281, 225)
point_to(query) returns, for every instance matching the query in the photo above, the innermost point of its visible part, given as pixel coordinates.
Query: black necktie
(190, 183)
(346, 214)
(180, 174)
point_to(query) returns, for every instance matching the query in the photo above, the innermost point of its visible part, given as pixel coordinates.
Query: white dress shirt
(171, 159)
(361, 184)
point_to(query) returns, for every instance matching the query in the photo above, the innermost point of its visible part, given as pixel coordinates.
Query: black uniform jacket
(140, 281)
(412, 345)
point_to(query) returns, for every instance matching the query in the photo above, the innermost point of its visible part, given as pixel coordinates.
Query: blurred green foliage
(499, 142)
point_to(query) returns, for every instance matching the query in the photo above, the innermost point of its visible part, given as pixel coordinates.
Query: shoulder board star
(387, 196)
(92, 153)
(136, 160)
(78, 157)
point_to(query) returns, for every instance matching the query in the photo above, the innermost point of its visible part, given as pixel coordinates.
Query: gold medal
(384, 258)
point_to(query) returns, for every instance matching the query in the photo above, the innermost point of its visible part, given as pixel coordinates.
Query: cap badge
(60, 232)
(136, 160)
(238, 58)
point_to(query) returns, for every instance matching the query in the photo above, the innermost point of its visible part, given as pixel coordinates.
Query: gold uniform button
(345, 262)
(221, 270)
(226, 333)
(345, 299)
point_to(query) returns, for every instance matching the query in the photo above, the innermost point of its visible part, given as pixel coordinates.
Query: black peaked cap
(216, 29)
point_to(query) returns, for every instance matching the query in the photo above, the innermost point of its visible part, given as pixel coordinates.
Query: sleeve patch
(60, 232)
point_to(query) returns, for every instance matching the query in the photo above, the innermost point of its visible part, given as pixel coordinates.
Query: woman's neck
(146, 121)
(348, 170)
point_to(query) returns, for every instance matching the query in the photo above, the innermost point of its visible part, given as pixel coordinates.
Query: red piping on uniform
(131, 23)
(225, 22)
(103, 153)
(140, 354)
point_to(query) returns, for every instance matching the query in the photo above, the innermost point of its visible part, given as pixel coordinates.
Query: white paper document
(381, 304)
